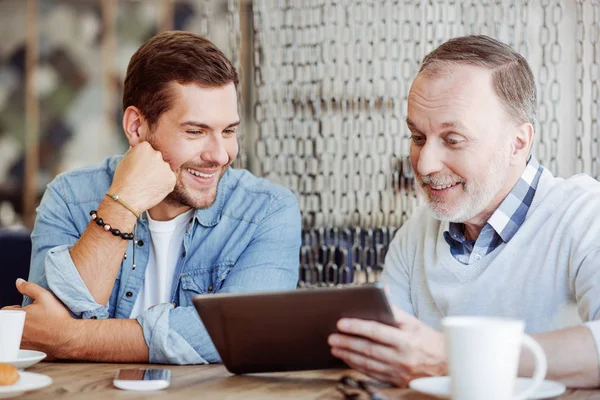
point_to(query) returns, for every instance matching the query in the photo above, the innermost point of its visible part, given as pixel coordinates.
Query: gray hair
(512, 79)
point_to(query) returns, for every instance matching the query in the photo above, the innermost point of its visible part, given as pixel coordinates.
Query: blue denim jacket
(248, 240)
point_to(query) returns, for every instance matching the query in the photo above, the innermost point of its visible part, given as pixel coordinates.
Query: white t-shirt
(166, 239)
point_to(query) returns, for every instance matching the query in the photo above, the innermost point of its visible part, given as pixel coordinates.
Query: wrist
(126, 199)
(116, 215)
(108, 228)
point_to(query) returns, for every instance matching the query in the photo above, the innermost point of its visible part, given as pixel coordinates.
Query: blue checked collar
(504, 222)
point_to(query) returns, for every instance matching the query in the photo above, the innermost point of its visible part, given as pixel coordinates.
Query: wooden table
(93, 381)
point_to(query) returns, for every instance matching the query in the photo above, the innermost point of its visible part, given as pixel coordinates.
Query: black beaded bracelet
(108, 228)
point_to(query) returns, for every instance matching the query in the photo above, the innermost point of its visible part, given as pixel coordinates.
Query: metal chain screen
(331, 81)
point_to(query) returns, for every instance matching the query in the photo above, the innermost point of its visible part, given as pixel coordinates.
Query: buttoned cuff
(68, 286)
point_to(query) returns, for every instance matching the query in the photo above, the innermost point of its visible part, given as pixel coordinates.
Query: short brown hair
(512, 78)
(173, 56)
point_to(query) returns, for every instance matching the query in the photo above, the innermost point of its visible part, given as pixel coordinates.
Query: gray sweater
(548, 274)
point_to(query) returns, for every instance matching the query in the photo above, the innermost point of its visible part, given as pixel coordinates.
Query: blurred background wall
(323, 95)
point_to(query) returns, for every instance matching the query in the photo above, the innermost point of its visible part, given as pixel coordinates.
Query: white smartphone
(142, 379)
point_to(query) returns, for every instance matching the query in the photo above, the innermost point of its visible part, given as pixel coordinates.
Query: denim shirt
(247, 241)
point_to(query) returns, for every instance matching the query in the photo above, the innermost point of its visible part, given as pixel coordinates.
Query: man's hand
(48, 325)
(50, 328)
(397, 354)
(142, 178)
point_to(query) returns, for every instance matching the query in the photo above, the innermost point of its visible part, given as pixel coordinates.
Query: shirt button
(140, 243)
(210, 288)
(128, 294)
(477, 257)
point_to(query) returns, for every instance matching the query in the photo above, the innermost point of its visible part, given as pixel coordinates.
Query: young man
(499, 235)
(126, 244)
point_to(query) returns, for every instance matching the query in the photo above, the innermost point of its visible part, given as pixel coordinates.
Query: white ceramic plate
(27, 381)
(27, 358)
(439, 386)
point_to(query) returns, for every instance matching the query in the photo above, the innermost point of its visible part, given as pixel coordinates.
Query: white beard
(477, 195)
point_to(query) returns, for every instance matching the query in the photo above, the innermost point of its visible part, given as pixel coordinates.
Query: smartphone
(142, 379)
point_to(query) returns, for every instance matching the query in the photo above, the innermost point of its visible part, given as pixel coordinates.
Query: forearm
(111, 340)
(98, 254)
(571, 354)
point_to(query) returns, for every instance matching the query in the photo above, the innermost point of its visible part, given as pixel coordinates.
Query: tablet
(285, 331)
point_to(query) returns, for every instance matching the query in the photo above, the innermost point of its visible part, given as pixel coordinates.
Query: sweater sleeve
(587, 291)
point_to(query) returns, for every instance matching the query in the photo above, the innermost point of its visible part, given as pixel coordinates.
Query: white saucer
(27, 381)
(439, 386)
(27, 358)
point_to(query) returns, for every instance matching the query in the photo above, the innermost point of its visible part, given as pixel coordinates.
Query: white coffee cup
(11, 330)
(483, 357)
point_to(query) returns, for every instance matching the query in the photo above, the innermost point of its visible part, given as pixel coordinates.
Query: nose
(427, 158)
(215, 151)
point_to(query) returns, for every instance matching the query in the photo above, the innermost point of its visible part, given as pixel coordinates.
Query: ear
(134, 125)
(521, 144)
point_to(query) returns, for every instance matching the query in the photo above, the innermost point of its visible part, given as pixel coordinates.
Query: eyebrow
(412, 126)
(204, 126)
(445, 125)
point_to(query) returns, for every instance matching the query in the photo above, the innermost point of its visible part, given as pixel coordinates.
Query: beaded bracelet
(108, 228)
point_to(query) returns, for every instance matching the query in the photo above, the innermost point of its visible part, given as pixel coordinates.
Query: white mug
(483, 357)
(11, 330)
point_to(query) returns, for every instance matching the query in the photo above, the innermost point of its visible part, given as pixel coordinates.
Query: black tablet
(285, 331)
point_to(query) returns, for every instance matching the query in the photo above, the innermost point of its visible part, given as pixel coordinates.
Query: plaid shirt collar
(504, 222)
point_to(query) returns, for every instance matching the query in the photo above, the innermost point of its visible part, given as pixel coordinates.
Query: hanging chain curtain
(331, 81)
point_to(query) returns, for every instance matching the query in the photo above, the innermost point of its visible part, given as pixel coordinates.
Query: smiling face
(461, 143)
(197, 137)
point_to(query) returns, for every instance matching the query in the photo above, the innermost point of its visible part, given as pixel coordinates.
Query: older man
(499, 234)
(126, 244)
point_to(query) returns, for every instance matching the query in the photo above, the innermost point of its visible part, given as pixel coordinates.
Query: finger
(15, 307)
(366, 366)
(386, 290)
(367, 348)
(375, 331)
(31, 289)
(401, 316)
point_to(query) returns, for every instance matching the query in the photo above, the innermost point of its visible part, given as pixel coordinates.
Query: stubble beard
(182, 197)
(198, 199)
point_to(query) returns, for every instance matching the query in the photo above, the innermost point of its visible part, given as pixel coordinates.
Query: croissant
(8, 374)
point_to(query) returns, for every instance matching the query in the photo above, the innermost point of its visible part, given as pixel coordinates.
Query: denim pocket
(203, 281)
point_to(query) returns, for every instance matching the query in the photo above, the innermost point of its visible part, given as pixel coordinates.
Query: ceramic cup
(11, 330)
(483, 357)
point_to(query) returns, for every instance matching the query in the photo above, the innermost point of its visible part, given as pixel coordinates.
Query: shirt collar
(511, 213)
(455, 233)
